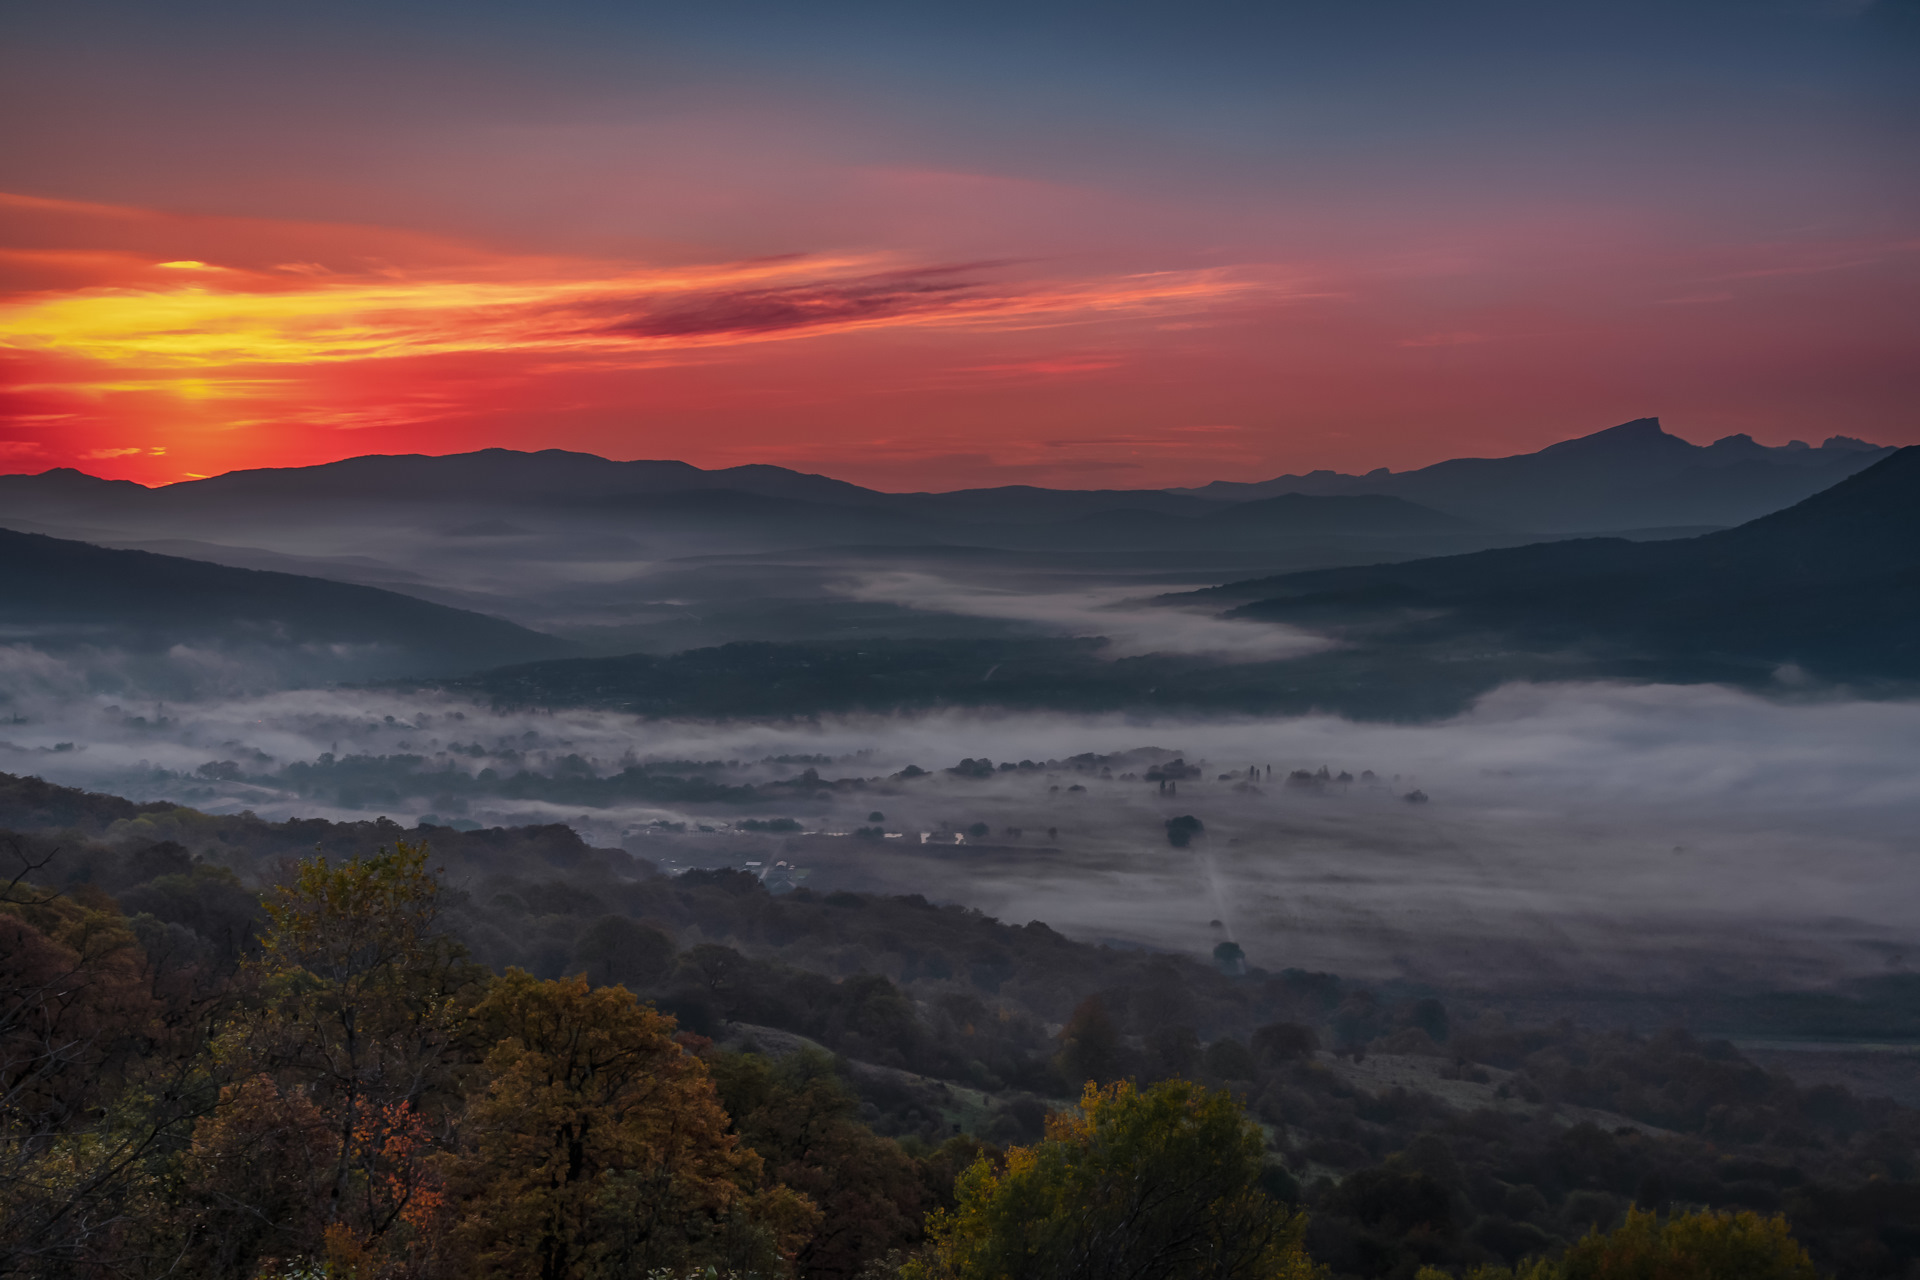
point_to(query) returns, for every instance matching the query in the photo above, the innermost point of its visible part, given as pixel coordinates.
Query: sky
(928, 246)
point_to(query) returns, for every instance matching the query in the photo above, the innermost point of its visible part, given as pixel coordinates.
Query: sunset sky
(928, 245)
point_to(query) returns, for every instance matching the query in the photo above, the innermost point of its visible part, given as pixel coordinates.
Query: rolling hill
(58, 593)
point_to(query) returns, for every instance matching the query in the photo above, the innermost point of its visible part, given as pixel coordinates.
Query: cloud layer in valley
(1581, 834)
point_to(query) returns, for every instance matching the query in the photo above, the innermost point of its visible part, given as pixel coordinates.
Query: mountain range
(1630, 476)
(1827, 590)
(442, 564)
(1830, 586)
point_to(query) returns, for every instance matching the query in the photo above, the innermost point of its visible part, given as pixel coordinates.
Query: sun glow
(304, 331)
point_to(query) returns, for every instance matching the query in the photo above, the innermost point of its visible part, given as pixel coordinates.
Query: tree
(1697, 1246)
(1090, 1048)
(1702, 1245)
(255, 1179)
(618, 950)
(596, 1147)
(802, 1121)
(360, 1002)
(1182, 830)
(1280, 1042)
(94, 1076)
(1156, 1185)
(1174, 1051)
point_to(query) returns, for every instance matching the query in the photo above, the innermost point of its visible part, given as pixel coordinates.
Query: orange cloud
(243, 341)
(260, 320)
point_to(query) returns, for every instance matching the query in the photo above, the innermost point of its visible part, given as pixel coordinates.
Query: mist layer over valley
(1574, 836)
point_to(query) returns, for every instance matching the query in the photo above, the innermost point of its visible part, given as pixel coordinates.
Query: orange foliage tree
(596, 1147)
(359, 1003)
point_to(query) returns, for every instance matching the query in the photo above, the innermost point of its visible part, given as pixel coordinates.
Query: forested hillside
(169, 1050)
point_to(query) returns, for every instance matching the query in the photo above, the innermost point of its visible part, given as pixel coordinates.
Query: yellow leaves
(597, 1146)
(1702, 1245)
(383, 903)
(1690, 1246)
(1165, 1179)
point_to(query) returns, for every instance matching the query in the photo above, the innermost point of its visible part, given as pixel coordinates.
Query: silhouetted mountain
(513, 477)
(69, 484)
(1631, 476)
(60, 593)
(1831, 585)
(504, 475)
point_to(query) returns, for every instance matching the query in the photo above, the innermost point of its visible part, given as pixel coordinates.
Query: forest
(248, 1049)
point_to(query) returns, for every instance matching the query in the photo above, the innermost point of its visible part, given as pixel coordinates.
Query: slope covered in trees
(204, 1075)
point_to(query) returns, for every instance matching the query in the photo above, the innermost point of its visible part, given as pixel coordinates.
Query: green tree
(1161, 1184)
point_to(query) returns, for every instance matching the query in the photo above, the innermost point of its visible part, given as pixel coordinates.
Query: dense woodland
(225, 1056)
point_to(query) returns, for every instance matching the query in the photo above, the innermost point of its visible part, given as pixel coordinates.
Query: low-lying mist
(1574, 835)
(1123, 615)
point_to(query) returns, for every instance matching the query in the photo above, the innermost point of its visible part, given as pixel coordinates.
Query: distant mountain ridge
(564, 476)
(777, 505)
(1831, 584)
(1635, 475)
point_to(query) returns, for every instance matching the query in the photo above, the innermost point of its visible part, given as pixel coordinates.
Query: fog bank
(1570, 833)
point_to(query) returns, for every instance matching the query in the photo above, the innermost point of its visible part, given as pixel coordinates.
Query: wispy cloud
(139, 312)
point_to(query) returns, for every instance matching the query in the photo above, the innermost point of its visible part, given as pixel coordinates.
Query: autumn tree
(596, 1147)
(358, 997)
(1697, 1246)
(1161, 1184)
(255, 1179)
(1701, 1245)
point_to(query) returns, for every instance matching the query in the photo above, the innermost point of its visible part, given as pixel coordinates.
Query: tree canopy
(1154, 1184)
